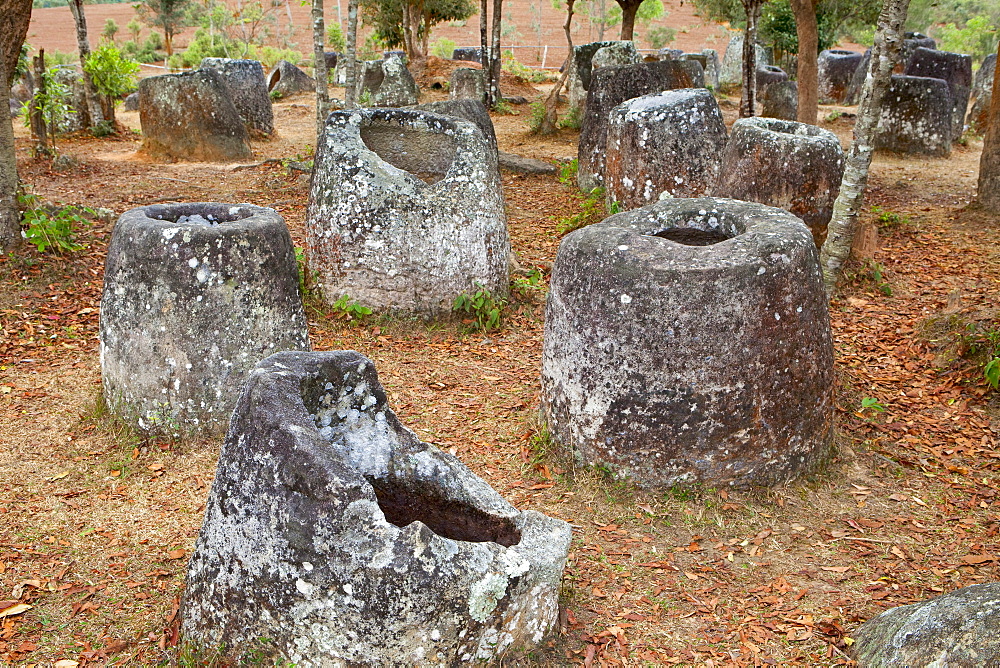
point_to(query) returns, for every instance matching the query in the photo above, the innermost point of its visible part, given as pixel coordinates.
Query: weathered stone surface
(615, 53)
(731, 73)
(666, 53)
(836, 69)
(470, 110)
(191, 116)
(911, 42)
(793, 166)
(522, 165)
(709, 61)
(15, 107)
(916, 117)
(334, 532)
(666, 142)
(472, 54)
(78, 116)
(982, 94)
(609, 87)
(958, 630)
(131, 102)
(781, 100)
(406, 211)
(466, 83)
(955, 69)
(388, 82)
(853, 94)
(331, 58)
(248, 89)
(287, 79)
(767, 75)
(689, 342)
(194, 296)
(581, 69)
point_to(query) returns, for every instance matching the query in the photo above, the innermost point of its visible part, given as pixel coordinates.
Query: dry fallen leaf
(175, 554)
(15, 610)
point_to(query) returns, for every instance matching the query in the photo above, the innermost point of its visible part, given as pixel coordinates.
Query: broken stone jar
(406, 211)
(689, 342)
(194, 296)
(335, 533)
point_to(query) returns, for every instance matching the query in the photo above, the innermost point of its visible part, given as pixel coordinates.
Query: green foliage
(54, 231)
(443, 48)
(835, 17)
(777, 28)
(386, 16)
(53, 104)
(592, 210)
(45, 4)
(991, 372)
(872, 404)
(572, 120)
(567, 172)
(349, 309)
(925, 15)
(134, 29)
(502, 106)
(110, 30)
(55, 57)
(527, 286)
(335, 38)
(889, 221)
(511, 65)
(878, 278)
(103, 129)
(659, 36)
(170, 16)
(537, 117)
(483, 306)
(978, 37)
(143, 53)
(114, 75)
(648, 11)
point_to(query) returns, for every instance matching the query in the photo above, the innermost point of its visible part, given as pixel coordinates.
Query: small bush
(443, 48)
(486, 309)
(335, 38)
(572, 120)
(537, 117)
(659, 36)
(54, 231)
(592, 210)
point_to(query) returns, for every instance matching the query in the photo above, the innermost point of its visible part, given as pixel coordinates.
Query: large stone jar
(194, 296)
(689, 342)
(406, 211)
(335, 533)
(916, 117)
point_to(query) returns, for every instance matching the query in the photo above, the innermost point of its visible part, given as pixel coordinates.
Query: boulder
(911, 42)
(615, 53)
(709, 61)
(287, 79)
(131, 102)
(916, 117)
(470, 110)
(955, 69)
(836, 70)
(331, 58)
(472, 54)
(957, 629)
(466, 83)
(388, 82)
(609, 87)
(581, 68)
(520, 164)
(191, 117)
(666, 53)
(248, 89)
(790, 165)
(665, 142)
(767, 75)
(781, 100)
(982, 94)
(194, 296)
(688, 342)
(853, 94)
(406, 211)
(731, 72)
(78, 114)
(332, 531)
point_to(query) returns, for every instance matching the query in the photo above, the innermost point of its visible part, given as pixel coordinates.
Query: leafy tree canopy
(386, 16)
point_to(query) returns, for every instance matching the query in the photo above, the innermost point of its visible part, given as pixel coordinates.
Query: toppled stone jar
(194, 296)
(334, 532)
(689, 342)
(794, 166)
(406, 211)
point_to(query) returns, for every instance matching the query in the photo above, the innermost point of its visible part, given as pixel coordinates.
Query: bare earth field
(97, 521)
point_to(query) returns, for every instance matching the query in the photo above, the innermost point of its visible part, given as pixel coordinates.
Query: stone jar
(982, 95)
(194, 296)
(287, 79)
(406, 211)
(248, 88)
(466, 83)
(388, 82)
(790, 165)
(581, 68)
(781, 100)
(335, 533)
(916, 117)
(669, 142)
(836, 70)
(689, 342)
(767, 75)
(955, 69)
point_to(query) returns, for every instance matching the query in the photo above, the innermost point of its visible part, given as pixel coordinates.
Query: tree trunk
(840, 232)
(14, 18)
(629, 9)
(494, 80)
(319, 66)
(988, 193)
(484, 50)
(808, 75)
(551, 117)
(749, 98)
(407, 28)
(351, 92)
(90, 92)
(426, 37)
(168, 43)
(36, 118)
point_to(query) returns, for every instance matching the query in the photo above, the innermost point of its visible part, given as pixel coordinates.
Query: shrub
(443, 48)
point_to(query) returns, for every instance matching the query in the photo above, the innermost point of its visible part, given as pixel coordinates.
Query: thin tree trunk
(407, 28)
(988, 192)
(291, 22)
(629, 10)
(14, 18)
(37, 119)
(426, 36)
(808, 73)
(89, 91)
(749, 98)
(351, 92)
(551, 117)
(484, 50)
(494, 80)
(319, 66)
(840, 232)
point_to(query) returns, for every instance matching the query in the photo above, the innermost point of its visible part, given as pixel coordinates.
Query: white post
(545, 53)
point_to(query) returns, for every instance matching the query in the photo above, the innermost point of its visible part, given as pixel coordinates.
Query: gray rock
(472, 54)
(615, 53)
(666, 53)
(955, 69)
(790, 165)
(335, 533)
(781, 100)
(982, 94)
(916, 117)
(767, 75)
(709, 61)
(689, 342)
(194, 296)
(287, 79)
(853, 94)
(406, 211)
(131, 102)
(78, 115)
(958, 630)
(331, 58)
(15, 108)
(466, 83)
(609, 87)
(581, 68)
(522, 165)
(836, 70)
(191, 116)
(388, 82)
(665, 142)
(911, 42)
(731, 73)
(248, 89)
(470, 110)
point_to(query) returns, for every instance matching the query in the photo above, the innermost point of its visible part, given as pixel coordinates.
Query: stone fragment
(731, 73)
(781, 100)
(473, 54)
(911, 42)
(78, 113)
(767, 75)
(331, 58)
(466, 83)
(191, 117)
(958, 629)
(406, 211)
(836, 70)
(982, 95)
(519, 164)
(248, 89)
(581, 69)
(194, 296)
(15, 107)
(609, 87)
(689, 342)
(853, 94)
(287, 79)
(790, 165)
(335, 533)
(388, 82)
(955, 69)
(665, 142)
(916, 117)
(470, 110)
(131, 102)
(709, 61)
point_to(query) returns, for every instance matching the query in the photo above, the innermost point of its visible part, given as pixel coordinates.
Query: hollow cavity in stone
(690, 236)
(425, 154)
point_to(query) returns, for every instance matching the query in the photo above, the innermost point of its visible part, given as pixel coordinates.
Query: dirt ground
(97, 521)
